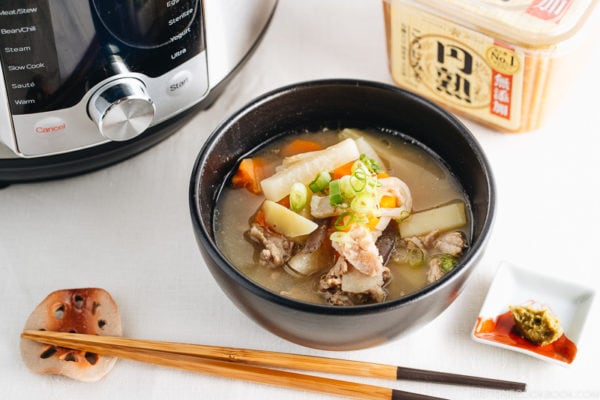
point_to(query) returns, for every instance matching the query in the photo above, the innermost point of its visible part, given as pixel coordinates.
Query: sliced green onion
(363, 178)
(373, 183)
(360, 219)
(344, 221)
(335, 193)
(364, 203)
(358, 182)
(320, 182)
(370, 163)
(415, 257)
(348, 191)
(360, 174)
(447, 262)
(403, 215)
(298, 197)
(338, 236)
(356, 166)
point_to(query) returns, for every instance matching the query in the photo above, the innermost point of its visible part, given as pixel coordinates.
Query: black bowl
(338, 104)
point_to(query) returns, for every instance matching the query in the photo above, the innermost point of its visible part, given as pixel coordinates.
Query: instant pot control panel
(76, 74)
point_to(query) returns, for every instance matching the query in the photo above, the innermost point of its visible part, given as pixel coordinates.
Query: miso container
(503, 63)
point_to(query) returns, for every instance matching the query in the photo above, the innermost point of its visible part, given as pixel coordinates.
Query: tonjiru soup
(343, 217)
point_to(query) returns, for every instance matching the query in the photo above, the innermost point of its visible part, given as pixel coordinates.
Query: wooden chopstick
(243, 364)
(154, 353)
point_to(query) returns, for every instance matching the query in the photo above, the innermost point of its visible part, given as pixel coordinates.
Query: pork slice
(452, 243)
(276, 249)
(435, 271)
(399, 189)
(332, 281)
(344, 285)
(428, 241)
(320, 207)
(356, 282)
(358, 247)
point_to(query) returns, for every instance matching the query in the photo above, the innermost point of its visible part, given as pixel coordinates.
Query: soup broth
(432, 187)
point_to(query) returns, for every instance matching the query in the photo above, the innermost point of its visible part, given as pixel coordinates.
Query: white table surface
(127, 229)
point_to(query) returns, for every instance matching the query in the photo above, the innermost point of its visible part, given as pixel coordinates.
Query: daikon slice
(277, 186)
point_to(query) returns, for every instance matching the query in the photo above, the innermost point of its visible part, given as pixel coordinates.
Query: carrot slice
(300, 146)
(372, 222)
(249, 174)
(285, 201)
(342, 170)
(259, 218)
(388, 202)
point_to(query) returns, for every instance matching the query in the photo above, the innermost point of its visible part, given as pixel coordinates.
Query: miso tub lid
(530, 23)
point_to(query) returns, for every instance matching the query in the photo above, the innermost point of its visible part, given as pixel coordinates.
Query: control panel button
(179, 83)
(122, 109)
(50, 126)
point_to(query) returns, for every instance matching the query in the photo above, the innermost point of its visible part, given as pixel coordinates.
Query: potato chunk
(286, 222)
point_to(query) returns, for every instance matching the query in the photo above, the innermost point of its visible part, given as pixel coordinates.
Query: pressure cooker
(84, 84)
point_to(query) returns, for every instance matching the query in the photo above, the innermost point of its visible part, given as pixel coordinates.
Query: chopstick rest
(258, 365)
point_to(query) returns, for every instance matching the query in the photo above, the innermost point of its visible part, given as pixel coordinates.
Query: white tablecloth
(127, 229)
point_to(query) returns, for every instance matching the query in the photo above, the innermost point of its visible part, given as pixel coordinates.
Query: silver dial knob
(122, 109)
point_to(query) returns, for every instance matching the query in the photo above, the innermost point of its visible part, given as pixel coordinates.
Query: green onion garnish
(335, 193)
(364, 203)
(344, 221)
(338, 236)
(369, 163)
(415, 257)
(403, 215)
(447, 262)
(348, 191)
(358, 181)
(298, 197)
(320, 182)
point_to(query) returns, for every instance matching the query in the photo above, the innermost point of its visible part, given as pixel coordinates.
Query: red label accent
(549, 9)
(50, 128)
(501, 94)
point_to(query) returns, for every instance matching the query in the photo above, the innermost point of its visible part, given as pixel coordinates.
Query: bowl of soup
(340, 214)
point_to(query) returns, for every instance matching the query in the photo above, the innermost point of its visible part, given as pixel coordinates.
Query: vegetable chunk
(285, 221)
(249, 174)
(277, 186)
(443, 218)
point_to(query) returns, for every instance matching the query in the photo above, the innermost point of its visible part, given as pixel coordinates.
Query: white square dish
(513, 285)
